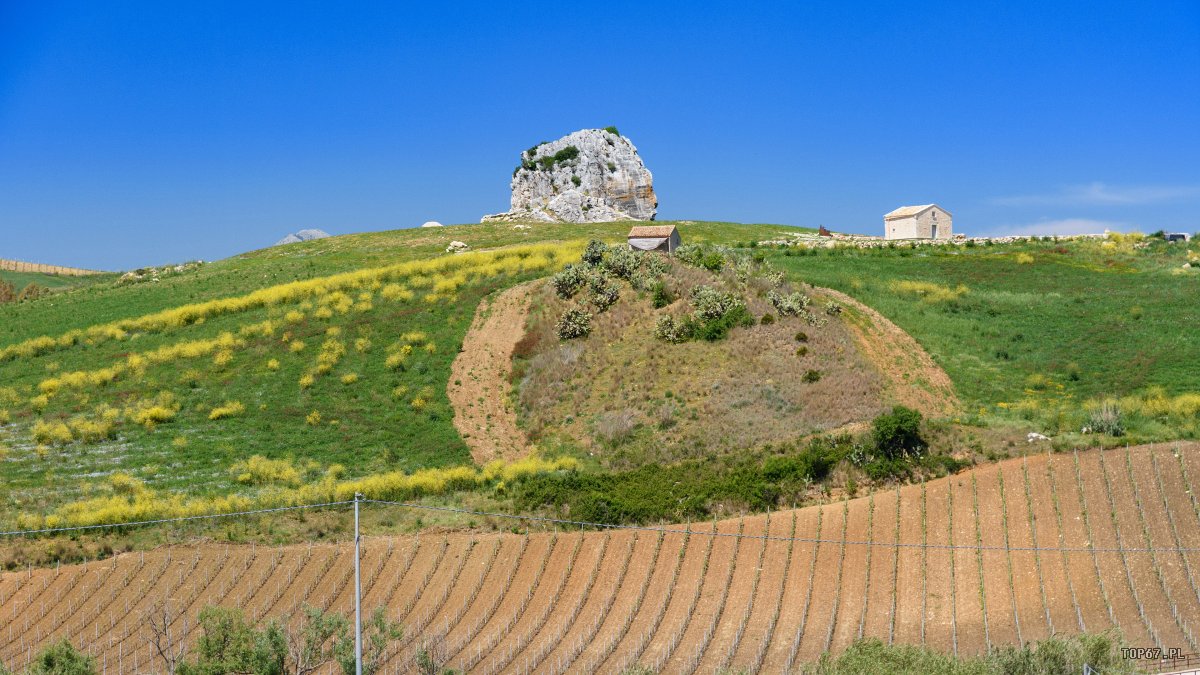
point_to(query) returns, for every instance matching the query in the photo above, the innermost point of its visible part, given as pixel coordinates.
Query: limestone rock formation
(590, 176)
(302, 235)
(431, 223)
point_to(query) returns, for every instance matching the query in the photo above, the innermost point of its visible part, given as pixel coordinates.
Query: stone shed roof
(909, 211)
(651, 231)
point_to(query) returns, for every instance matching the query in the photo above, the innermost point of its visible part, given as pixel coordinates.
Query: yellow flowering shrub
(396, 293)
(350, 378)
(313, 418)
(91, 431)
(51, 433)
(928, 291)
(230, 409)
(259, 470)
(273, 364)
(131, 500)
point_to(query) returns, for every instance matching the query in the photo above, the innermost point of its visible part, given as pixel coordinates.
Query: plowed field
(878, 566)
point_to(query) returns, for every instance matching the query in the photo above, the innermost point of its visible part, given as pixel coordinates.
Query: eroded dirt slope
(479, 377)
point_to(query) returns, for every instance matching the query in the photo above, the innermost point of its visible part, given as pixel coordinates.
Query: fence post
(357, 593)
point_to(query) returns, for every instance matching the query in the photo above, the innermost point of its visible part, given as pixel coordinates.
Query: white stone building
(928, 221)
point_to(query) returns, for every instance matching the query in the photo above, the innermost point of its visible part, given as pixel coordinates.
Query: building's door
(934, 230)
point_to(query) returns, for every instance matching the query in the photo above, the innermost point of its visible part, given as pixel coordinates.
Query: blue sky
(134, 133)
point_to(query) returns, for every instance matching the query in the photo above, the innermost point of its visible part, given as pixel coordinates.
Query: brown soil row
(504, 602)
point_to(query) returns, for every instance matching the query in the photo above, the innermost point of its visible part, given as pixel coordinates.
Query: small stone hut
(928, 221)
(663, 238)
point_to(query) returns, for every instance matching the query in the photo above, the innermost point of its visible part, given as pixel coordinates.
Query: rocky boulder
(590, 176)
(302, 235)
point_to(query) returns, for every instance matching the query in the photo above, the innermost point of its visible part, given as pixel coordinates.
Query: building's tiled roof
(652, 231)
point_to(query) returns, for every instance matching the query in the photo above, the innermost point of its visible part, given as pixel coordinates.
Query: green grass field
(1035, 331)
(52, 281)
(351, 376)
(330, 360)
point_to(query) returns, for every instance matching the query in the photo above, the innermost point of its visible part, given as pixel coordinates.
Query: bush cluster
(687, 490)
(574, 323)
(898, 433)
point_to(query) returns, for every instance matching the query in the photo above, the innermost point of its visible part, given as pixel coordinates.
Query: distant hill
(302, 235)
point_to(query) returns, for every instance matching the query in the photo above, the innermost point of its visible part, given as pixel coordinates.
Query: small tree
(62, 658)
(431, 658)
(378, 633)
(316, 643)
(898, 432)
(230, 644)
(167, 642)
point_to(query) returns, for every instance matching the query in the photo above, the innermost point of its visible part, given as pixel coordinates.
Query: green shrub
(660, 296)
(62, 658)
(793, 304)
(576, 180)
(898, 433)
(574, 323)
(603, 293)
(801, 337)
(593, 253)
(622, 262)
(612, 167)
(568, 282)
(767, 319)
(612, 130)
(811, 376)
(707, 257)
(1051, 656)
(1107, 419)
(717, 329)
(711, 303)
(801, 351)
(670, 329)
(565, 155)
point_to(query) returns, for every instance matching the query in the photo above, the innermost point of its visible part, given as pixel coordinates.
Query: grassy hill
(1042, 333)
(311, 371)
(282, 375)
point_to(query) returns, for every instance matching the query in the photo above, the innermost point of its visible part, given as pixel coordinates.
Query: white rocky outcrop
(590, 176)
(457, 247)
(302, 235)
(431, 223)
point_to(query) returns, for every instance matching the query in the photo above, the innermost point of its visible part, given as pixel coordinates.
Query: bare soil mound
(479, 378)
(629, 397)
(1001, 555)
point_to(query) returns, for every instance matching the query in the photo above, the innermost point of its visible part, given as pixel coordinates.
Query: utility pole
(357, 592)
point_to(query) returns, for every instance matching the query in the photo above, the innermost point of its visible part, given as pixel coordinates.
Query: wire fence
(583, 524)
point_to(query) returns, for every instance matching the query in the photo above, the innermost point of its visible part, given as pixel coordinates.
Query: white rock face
(431, 223)
(457, 247)
(589, 176)
(302, 235)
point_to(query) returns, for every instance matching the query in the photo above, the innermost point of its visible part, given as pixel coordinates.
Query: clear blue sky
(133, 133)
